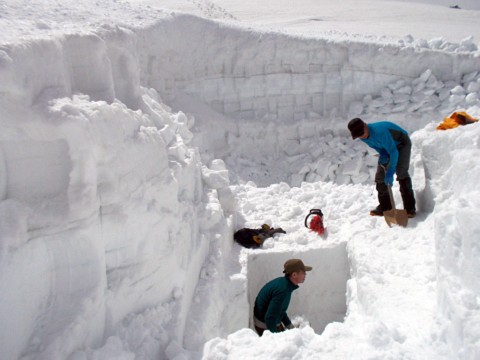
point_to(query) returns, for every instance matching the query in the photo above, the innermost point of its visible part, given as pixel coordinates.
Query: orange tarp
(456, 119)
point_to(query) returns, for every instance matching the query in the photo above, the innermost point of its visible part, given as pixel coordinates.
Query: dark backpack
(254, 238)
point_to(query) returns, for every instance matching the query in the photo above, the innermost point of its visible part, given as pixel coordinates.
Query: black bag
(254, 238)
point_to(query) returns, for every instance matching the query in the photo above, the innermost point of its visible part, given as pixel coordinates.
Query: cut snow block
(306, 129)
(355, 108)
(470, 76)
(332, 172)
(404, 90)
(458, 90)
(474, 86)
(425, 75)
(285, 113)
(443, 94)
(418, 97)
(400, 107)
(313, 177)
(291, 147)
(414, 107)
(297, 179)
(378, 102)
(299, 115)
(397, 85)
(419, 87)
(321, 167)
(386, 93)
(352, 167)
(305, 169)
(400, 98)
(360, 178)
(456, 99)
(471, 98)
(343, 179)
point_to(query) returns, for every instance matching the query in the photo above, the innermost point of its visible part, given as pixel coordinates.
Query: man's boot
(383, 200)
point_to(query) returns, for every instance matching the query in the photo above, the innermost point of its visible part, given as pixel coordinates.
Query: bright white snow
(136, 139)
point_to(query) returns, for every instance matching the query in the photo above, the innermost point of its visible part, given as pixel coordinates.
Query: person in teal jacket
(271, 304)
(394, 147)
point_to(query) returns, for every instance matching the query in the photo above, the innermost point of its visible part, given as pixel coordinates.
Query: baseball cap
(295, 265)
(356, 127)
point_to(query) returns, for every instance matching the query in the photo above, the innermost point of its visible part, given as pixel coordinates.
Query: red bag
(316, 224)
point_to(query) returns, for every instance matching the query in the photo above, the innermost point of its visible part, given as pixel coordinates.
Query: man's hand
(389, 177)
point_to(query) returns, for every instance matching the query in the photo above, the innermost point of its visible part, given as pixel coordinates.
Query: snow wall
(454, 200)
(107, 209)
(303, 90)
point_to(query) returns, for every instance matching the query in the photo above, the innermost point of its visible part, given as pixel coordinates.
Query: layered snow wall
(103, 195)
(302, 90)
(455, 203)
(106, 209)
(251, 75)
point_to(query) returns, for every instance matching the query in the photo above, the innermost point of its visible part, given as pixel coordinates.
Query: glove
(279, 230)
(389, 177)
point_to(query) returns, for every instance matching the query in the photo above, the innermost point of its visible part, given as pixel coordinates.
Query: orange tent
(456, 119)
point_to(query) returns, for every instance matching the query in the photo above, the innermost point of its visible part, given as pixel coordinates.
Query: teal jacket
(272, 303)
(387, 138)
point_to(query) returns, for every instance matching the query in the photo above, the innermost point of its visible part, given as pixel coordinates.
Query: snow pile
(439, 43)
(423, 94)
(309, 150)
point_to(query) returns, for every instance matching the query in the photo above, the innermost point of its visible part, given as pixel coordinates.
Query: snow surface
(138, 135)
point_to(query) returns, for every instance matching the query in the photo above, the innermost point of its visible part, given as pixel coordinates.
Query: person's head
(295, 270)
(358, 128)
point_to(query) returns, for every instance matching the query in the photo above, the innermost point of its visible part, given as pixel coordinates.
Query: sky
(138, 136)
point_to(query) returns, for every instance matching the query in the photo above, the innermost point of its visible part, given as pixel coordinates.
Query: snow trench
(327, 302)
(108, 189)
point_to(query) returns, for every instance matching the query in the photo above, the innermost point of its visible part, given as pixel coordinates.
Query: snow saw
(395, 216)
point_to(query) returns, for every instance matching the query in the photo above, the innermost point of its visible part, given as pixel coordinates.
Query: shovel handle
(392, 201)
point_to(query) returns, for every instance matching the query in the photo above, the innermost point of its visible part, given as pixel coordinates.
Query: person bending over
(394, 146)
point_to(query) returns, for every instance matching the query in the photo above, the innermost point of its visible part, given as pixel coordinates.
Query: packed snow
(138, 136)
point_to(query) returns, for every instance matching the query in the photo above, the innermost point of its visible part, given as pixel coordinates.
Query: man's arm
(384, 156)
(274, 314)
(286, 320)
(391, 148)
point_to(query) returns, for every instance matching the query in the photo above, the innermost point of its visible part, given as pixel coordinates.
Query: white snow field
(136, 140)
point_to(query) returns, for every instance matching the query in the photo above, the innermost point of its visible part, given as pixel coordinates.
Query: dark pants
(260, 331)
(406, 189)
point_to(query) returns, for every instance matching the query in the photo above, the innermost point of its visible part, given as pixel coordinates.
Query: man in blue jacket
(271, 304)
(394, 146)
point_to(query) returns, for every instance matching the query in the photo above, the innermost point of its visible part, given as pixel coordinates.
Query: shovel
(395, 216)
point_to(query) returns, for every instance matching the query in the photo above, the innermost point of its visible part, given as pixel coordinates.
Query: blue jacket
(272, 303)
(387, 137)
